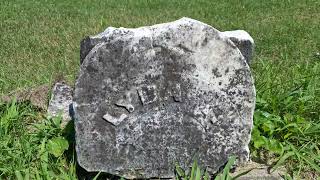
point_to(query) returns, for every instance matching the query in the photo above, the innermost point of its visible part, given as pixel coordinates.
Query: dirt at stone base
(38, 96)
(252, 170)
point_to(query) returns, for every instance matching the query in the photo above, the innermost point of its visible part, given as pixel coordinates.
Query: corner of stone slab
(238, 34)
(243, 41)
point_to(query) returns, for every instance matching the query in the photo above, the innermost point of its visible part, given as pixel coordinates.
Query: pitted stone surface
(146, 98)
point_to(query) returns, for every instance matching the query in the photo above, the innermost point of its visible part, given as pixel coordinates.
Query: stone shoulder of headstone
(243, 41)
(60, 103)
(149, 97)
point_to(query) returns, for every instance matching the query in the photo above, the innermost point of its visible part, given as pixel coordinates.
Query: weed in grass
(287, 123)
(32, 149)
(197, 173)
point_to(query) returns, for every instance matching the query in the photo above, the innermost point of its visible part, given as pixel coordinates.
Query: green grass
(196, 172)
(32, 146)
(39, 41)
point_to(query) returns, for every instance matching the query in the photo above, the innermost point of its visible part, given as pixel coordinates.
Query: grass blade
(198, 174)
(18, 175)
(193, 169)
(228, 166)
(282, 160)
(96, 177)
(180, 171)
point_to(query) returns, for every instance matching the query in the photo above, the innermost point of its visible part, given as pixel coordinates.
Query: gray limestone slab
(149, 97)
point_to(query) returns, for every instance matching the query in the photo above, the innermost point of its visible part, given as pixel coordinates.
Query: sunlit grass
(39, 41)
(30, 145)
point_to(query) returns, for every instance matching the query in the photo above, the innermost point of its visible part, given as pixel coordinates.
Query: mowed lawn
(40, 40)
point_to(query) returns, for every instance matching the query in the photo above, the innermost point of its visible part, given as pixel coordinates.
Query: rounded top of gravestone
(151, 96)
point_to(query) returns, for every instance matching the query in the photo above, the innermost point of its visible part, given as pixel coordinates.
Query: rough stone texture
(240, 38)
(38, 96)
(61, 102)
(146, 98)
(243, 41)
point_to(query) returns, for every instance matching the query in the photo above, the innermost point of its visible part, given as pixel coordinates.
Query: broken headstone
(149, 97)
(61, 102)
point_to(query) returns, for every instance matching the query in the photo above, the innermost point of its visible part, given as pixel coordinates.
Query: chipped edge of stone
(243, 41)
(89, 42)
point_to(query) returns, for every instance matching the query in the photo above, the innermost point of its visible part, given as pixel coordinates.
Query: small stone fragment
(61, 102)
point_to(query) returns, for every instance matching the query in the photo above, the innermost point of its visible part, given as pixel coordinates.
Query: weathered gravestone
(148, 97)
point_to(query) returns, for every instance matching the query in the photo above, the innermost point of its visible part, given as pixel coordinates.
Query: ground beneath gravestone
(252, 170)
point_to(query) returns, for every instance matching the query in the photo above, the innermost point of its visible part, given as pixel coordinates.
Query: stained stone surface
(243, 41)
(61, 102)
(148, 97)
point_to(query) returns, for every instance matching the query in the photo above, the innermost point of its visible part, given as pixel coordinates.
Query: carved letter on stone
(147, 94)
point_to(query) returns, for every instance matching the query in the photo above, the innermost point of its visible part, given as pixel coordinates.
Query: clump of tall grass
(32, 146)
(198, 173)
(287, 117)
